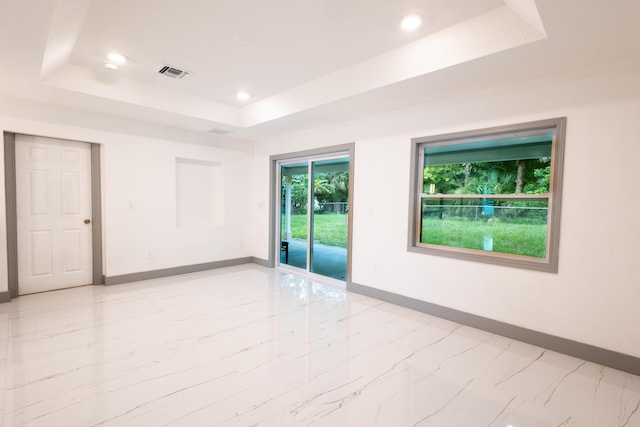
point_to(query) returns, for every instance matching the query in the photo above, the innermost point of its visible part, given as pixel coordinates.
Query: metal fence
(319, 208)
(332, 208)
(488, 211)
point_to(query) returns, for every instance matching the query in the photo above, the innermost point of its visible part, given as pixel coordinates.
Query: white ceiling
(304, 62)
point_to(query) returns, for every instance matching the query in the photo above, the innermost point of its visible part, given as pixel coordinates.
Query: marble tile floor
(247, 346)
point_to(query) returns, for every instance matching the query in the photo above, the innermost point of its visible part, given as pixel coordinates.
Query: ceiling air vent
(173, 72)
(219, 131)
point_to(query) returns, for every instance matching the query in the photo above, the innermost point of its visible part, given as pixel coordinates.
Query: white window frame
(548, 264)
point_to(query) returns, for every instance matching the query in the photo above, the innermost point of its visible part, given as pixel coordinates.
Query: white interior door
(53, 195)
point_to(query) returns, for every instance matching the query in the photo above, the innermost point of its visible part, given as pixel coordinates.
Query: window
(490, 195)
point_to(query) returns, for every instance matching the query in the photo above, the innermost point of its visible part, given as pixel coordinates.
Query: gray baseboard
(260, 261)
(5, 297)
(174, 271)
(601, 356)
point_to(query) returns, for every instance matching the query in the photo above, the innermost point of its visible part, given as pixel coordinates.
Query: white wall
(592, 299)
(139, 184)
(594, 296)
(140, 207)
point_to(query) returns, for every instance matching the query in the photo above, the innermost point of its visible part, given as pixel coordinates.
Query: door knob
(87, 221)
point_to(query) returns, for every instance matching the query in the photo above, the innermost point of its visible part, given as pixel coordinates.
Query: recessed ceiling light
(243, 96)
(411, 22)
(110, 66)
(117, 58)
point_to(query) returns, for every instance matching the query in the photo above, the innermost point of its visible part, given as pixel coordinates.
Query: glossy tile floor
(247, 345)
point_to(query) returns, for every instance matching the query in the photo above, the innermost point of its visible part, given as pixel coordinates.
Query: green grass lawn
(329, 229)
(510, 238)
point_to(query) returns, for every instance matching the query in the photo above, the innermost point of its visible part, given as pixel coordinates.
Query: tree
(540, 182)
(528, 176)
(445, 178)
(299, 186)
(520, 176)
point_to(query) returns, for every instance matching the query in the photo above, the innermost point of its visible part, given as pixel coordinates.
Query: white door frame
(345, 150)
(12, 222)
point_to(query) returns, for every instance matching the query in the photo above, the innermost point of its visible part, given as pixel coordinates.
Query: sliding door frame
(346, 150)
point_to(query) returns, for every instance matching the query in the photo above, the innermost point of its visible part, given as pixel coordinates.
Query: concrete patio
(330, 261)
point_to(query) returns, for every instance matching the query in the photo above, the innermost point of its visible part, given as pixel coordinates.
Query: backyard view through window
(490, 193)
(314, 215)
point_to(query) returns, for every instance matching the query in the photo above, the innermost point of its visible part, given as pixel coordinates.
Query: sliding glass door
(314, 210)
(294, 226)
